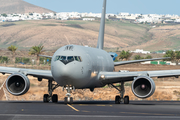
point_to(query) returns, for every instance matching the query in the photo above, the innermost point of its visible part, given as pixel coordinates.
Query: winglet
(100, 43)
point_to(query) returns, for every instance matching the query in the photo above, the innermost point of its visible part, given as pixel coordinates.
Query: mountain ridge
(20, 6)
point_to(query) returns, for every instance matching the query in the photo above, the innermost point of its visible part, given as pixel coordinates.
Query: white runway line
(93, 116)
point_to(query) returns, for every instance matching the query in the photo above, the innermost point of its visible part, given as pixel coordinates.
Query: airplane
(79, 67)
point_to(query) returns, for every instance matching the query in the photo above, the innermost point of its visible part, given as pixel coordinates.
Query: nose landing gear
(69, 99)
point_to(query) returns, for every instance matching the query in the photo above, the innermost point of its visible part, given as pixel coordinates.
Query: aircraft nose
(64, 72)
(70, 72)
(67, 74)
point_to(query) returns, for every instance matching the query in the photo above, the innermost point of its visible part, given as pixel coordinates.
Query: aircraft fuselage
(79, 66)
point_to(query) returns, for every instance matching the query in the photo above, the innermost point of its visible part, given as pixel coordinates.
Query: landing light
(102, 77)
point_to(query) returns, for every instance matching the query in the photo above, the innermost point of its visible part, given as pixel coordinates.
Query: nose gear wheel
(69, 99)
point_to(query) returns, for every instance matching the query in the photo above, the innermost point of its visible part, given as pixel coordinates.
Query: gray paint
(81, 74)
(100, 44)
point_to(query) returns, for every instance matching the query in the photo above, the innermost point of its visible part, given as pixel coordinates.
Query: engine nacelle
(17, 84)
(143, 87)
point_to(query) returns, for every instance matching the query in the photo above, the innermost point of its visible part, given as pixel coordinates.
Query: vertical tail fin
(100, 43)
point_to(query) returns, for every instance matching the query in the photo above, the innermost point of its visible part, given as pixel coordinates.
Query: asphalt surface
(88, 110)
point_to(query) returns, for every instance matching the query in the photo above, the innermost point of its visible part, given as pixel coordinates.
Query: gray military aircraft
(78, 67)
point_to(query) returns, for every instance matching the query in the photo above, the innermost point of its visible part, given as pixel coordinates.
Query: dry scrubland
(166, 88)
(119, 34)
(55, 33)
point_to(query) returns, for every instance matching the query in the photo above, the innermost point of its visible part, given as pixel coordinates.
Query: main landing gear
(50, 96)
(69, 99)
(121, 98)
(54, 98)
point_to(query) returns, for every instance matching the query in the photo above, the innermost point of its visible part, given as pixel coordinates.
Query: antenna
(100, 43)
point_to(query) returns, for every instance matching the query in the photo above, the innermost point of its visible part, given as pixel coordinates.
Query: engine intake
(17, 84)
(143, 87)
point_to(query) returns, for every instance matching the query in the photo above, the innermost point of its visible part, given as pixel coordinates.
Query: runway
(96, 110)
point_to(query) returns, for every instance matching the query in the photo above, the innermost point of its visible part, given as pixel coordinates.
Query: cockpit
(68, 59)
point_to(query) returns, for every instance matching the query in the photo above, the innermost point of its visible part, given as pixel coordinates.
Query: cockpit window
(63, 58)
(57, 58)
(77, 58)
(70, 58)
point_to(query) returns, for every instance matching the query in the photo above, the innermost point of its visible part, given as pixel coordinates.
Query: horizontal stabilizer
(137, 61)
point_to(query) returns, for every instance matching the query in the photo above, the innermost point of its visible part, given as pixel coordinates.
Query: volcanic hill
(20, 6)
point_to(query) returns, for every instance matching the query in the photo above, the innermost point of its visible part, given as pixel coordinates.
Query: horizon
(113, 6)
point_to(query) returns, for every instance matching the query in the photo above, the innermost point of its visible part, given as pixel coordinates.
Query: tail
(100, 43)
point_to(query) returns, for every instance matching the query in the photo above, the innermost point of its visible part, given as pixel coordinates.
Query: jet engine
(17, 84)
(143, 87)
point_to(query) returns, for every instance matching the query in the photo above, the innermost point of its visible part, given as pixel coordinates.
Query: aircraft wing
(45, 56)
(137, 61)
(115, 77)
(46, 74)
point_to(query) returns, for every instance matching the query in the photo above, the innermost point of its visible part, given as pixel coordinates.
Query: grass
(176, 42)
(48, 25)
(8, 25)
(176, 92)
(25, 22)
(127, 84)
(32, 85)
(147, 37)
(75, 26)
(76, 22)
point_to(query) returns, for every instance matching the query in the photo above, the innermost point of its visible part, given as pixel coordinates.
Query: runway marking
(100, 105)
(73, 108)
(85, 111)
(94, 105)
(146, 113)
(93, 116)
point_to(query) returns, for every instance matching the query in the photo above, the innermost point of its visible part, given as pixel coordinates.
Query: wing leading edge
(115, 77)
(137, 61)
(46, 74)
(45, 56)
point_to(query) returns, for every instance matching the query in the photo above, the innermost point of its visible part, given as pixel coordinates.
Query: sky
(113, 6)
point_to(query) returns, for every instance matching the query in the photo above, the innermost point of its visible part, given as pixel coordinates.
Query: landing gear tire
(46, 98)
(126, 100)
(71, 101)
(65, 100)
(68, 100)
(55, 98)
(117, 100)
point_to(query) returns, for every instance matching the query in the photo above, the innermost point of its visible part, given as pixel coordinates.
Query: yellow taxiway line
(73, 108)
